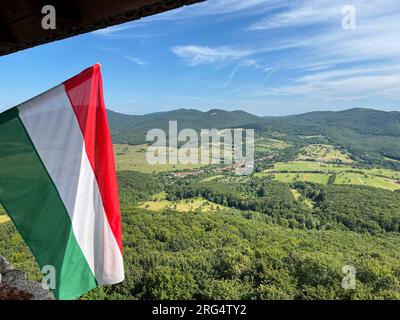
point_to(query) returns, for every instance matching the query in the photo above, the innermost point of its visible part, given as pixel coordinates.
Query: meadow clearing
(324, 152)
(133, 157)
(319, 172)
(4, 218)
(186, 205)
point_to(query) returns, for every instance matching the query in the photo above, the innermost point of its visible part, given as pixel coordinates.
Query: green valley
(324, 194)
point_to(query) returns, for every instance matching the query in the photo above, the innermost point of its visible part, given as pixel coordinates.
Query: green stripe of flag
(30, 197)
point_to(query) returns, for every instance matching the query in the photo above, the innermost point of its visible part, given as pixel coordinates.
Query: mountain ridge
(370, 134)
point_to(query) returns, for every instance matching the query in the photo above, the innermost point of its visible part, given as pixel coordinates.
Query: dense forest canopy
(262, 244)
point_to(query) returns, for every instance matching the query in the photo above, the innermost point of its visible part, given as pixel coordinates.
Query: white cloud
(136, 60)
(124, 31)
(375, 36)
(333, 64)
(250, 63)
(113, 29)
(219, 8)
(311, 12)
(307, 13)
(349, 72)
(350, 84)
(198, 55)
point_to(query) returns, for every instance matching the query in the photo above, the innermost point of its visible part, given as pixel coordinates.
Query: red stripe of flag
(91, 114)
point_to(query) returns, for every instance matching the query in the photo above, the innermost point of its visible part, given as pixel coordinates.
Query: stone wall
(14, 285)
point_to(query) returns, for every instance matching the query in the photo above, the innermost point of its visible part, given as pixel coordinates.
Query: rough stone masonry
(14, 285)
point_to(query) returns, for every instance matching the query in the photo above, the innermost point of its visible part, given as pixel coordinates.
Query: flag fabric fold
(58, 183)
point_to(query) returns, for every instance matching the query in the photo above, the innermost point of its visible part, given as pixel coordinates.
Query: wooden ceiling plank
(22, 18)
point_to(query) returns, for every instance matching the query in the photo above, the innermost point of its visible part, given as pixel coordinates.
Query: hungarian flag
(58, 183)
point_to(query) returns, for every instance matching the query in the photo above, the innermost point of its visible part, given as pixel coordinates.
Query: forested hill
(366, 133)
(132, 129)
(369, 134)
(362, 121)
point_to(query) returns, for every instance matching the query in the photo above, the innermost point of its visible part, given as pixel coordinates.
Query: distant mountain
(132, 129)
(363, 121)
(369, 134)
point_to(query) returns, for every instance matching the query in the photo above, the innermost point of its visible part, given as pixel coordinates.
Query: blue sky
(267, 57)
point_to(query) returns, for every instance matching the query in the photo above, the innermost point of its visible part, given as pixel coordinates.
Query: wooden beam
(6, 37)
(22, 18)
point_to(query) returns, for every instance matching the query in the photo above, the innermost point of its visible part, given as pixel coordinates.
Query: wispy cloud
(320, 60)
(250, 63)
(129, 57)
(375, 36)
(219, 8)
(126, 31)
(136, 60)
(311, 12)
(199, 10)
(198, 55)
(229, 6)
(298, 15)
(328, 62)
(110, 49)
(112, 30)
(348, 84)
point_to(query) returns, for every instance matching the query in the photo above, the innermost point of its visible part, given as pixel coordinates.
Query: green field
(130, 157)
(366, 180)
(187, 205)
(305, 177)
(212, 178)
(323, 152)
(299, 166)
(133, 157)
(264, 144)
(306, 201)
(392, 174)
(319, 172)
(4, 219)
